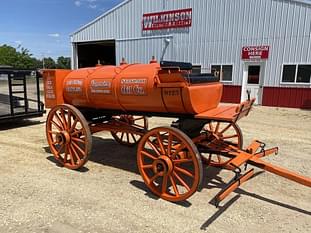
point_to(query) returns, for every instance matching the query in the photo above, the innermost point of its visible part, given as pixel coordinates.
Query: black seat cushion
(201, 78)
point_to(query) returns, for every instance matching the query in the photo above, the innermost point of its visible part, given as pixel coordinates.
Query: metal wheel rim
(69, 136)
(177, 182)
(129, 138)
(215, 127)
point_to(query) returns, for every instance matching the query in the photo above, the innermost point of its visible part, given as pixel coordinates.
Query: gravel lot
(108, 195)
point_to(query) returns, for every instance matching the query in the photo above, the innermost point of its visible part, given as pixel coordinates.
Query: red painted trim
(287, 97)
(231, 94)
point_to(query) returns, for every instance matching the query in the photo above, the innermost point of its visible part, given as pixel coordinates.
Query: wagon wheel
(129, 138)
(69, 136)
(169, 163)
(227, 132)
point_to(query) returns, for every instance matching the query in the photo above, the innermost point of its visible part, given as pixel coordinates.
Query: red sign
(167, 19)
(255, 52)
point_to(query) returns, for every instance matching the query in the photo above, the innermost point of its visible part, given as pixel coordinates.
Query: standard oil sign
(255, 52)
(167, 19)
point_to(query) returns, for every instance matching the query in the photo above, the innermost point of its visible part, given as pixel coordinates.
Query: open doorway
(92, 53)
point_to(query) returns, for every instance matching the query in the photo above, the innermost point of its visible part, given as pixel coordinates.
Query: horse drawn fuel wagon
(120, 98)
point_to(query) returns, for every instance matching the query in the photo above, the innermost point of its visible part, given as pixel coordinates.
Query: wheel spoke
(181, 147)
(74, 152)
(57, 125)
(160, 143)
(65, 124)
(135, 140)
(226, 128)
(153, 147)
(217, 127)
(147, 166)
(178, 161)
(65, 154)
(164, 184)
(76, 132)
(148, 155)
(211, 127)
(78, 140)
(74, 124)
(127, 137)
(181, 181)
(169, 144)
(174, 186)
(230, 136)
(60, 120)
(69, 120)
(78, 147)
(184, 171)
(60, 149)
(153, 178)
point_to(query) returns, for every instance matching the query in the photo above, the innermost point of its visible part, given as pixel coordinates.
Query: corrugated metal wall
(219, 30)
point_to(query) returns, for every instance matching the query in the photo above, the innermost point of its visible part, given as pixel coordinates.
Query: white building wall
(220, 28)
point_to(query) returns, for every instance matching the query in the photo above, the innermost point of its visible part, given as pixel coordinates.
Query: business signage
(255, 52)
(167, 19)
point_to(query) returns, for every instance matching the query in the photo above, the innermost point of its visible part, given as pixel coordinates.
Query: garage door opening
(90, 54)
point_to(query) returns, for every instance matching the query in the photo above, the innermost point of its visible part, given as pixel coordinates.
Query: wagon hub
(163, 165)
(63, 137)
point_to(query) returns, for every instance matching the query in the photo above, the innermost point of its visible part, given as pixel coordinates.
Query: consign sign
(167, 19)
(255, 52)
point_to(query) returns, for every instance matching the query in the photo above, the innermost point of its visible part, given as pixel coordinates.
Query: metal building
(260, 46)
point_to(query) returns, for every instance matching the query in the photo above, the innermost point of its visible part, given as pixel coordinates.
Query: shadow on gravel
(110, 153)
(141, 185)
(52, 159)
(212, 180)
(12, 124)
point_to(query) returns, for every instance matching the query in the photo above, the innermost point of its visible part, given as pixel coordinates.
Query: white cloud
(19, 42)
(78, 3)
(92, 6)
(54, 35)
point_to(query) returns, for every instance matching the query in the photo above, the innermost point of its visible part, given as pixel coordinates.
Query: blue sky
(44, 26)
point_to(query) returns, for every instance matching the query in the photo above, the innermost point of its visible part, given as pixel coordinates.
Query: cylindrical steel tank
(131, 87)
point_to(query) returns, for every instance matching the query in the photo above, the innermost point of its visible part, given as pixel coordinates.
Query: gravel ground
(108, 194)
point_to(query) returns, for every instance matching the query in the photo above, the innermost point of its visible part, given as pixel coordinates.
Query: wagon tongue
(251, 155)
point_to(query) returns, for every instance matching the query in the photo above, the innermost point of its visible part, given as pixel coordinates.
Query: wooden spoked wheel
(69, 136)
(130, 138)
(228, 132)
(169, 163)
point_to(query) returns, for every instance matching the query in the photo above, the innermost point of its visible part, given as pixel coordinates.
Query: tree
(63, 62)
(49, 63)
(18, 59)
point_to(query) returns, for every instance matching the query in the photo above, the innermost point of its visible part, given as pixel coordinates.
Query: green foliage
(21, 58)
(63, 62)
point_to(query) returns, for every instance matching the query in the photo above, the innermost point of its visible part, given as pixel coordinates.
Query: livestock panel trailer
(19, 94)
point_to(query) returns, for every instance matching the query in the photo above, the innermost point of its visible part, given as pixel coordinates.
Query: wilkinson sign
(167, 19)
(255, 52)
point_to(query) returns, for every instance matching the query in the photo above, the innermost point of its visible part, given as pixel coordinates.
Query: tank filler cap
(153, 60)
(123, 61)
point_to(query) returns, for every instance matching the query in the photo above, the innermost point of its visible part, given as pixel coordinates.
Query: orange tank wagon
(120, 99)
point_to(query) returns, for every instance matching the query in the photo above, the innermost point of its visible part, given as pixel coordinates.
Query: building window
(223, 71)
(296, 73)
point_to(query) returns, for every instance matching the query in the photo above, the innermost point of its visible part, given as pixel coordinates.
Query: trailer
(120, 99)
(19, 94)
